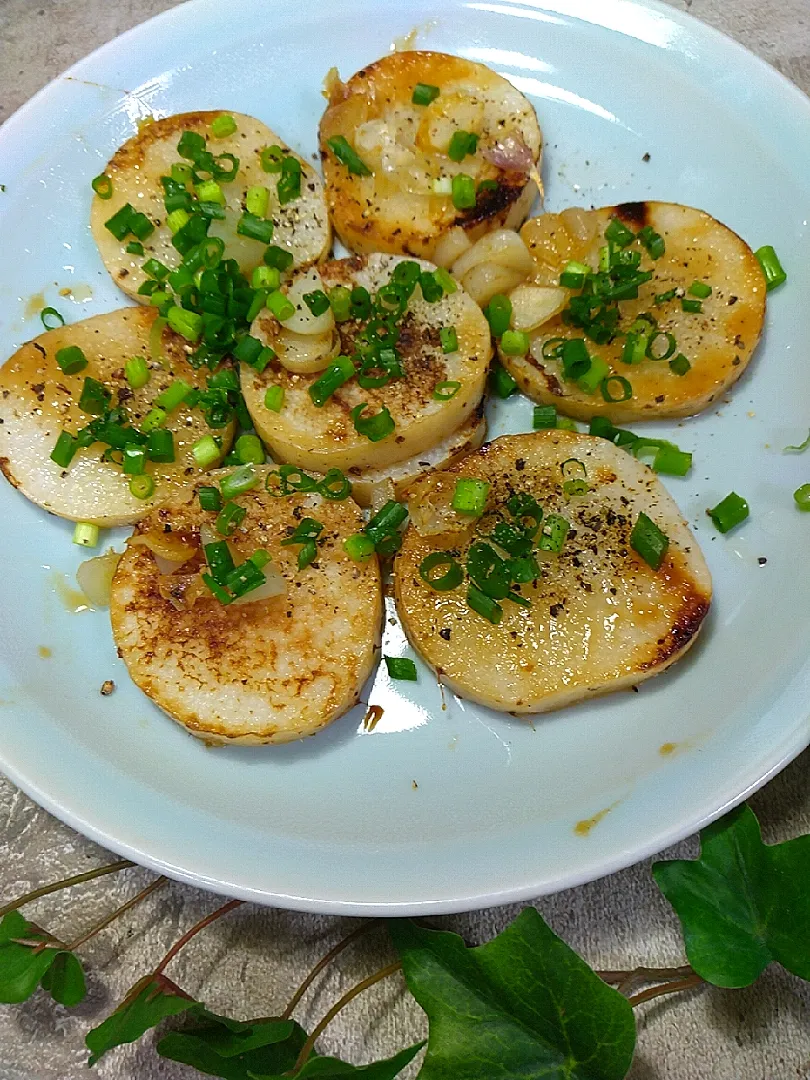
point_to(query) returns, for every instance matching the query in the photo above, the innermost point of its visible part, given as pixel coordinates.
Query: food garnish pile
(293, 435)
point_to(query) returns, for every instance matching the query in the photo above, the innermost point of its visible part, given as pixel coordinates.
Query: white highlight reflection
(509, 58)
(622, 16)
(557, 93)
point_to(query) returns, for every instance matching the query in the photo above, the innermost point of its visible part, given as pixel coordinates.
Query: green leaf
(23, 967)
(743, 903)
(150, 1000)
(521, 1007)
(327, 1068)
(233, 1049)
(65, 980)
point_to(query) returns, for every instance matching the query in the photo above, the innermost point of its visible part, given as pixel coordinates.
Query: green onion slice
(484, 605)
(648, 541)
(729, 512)
(626, 390)
(444, 391)
(51, 319)
(773, 270)
(348, 156)
(103, 186)
(801, 497)
(424, 93)
(376, 427)
(86, 534)
(470, 496)
(449, 579)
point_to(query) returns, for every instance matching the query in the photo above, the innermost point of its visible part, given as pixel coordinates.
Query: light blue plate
(437, 810)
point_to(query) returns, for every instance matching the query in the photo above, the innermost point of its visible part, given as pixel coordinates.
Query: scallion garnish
(449, 578)
(340, 299)
(173, 396)
(242, 479)
(271, 158)
(50, 318)
(95, 397)
(773, 270)
(652, 241)
(693, 307)
(134, 461)
(65, 449)
(574, 275)
(462, 143)
(801, 497)
(424, 93)
(484, 605)
(358, 547)
(210, 498)
(71, 359)
(729, 512)
(279, 305)
(154, 419)
(229, 518)
(444, 391)
(85, 534)
(700, 289)
(348, 156)
(618, 234)
(470, 496)
(544, 416)
(103, 186)
(679, 365)
(660, 346)
(463, 191)
(335, 376)
(376, 427)
(186, 323)
(592, 379)
(317, 302)
(621, 383)
(250, 450)
(401, 667)
(515, 343)
(648, 541)
(274, 398)
(289, 183)
(160, 445)
(449, 339)
(432, 291)
(256, 228)
(223, 126)
(142, 487)
(205, 451)
(554, 530)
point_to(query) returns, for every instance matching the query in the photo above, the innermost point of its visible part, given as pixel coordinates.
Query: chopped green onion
(160, 445)
(177, 219)
(484, 605)
(574, 275)
(51, 319)
(153, 419)
(648, 541)
(449, 339)
(771, 267)
(652, 241)
(700, 290)
(242, 479)
(153, 268)
(671, 461)
(442, 185)
(220, 561)
(134, 460)
(159, 298)
(247, 351)
(431, 289)
(250, 450)
(205, 451)
(247, 577)
(265, 277)
(653, 351)
(186, 323)
(317, 302)
(220, 594)
(95, 397)
(553, 348)
(604, 259)
(444, 391)
(679, 365)
(729, 512)
(593, 378)
(289, 184)
(278, 258)
(335, 485)
(274, 398)
(544, 416)
(553, 533)
(358, 547)
(65, 449)
(280, 306)
(256, 228)
(361, 302)
(424, 93)
(487, 185)
(498, 313)
(463, 190)
(802, 497)
(209, 191)
(71, 359)
(800, 449)
(335, 376)
(134, 247)
(565, 423)
(257, 200)
(693, 307)
(401, 667)
(501, 382)
(348, 156)
(223, 126)
(229, 518)
(386, 521)
(576, 359)
(173, 396)
(470, 496)
(665, 297)
(210, 499)
(191, 145)
(618, 234)
(340, 301)
(142, 487)
(446, 280)
(119, 223)
(376, 427)
(85, 534)
(451, 578)
(621, 383)
(271, 158)
(462, 143)
(515, 343)
(103, 186)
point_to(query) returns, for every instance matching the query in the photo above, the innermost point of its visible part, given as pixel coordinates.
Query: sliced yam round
(718, 343)
(459, 443)
(300, 227)
(405, 147)
(38, 401)
(318, 438)
(267, 671)
(600, 618)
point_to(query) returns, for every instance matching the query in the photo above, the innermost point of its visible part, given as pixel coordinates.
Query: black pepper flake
(520, 464)
(762, 560)
(445, 633)
(646, 157)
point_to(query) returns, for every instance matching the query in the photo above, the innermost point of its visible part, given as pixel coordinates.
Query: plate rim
(786, 750)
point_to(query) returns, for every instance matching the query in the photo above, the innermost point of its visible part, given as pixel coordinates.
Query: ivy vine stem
(677, 986)
(158, 883)
(186, 938)
(650, 974)
(324, 962)
(320, 1027)
(65, 883)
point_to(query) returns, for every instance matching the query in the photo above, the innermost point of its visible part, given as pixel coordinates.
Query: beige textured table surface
(250, 963)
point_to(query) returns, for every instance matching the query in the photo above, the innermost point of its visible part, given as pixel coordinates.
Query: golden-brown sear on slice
(300, 227)
(718, 343)
(38, 401)
(405, 146)
(600, 618)
(268, 671)
(318, 438)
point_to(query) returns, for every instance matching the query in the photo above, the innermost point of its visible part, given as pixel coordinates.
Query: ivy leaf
(150, 1000)
(743, 903)
(64, 980)
(24, 967)
(327, 1068)
(232, 1049)
(522, 1006)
